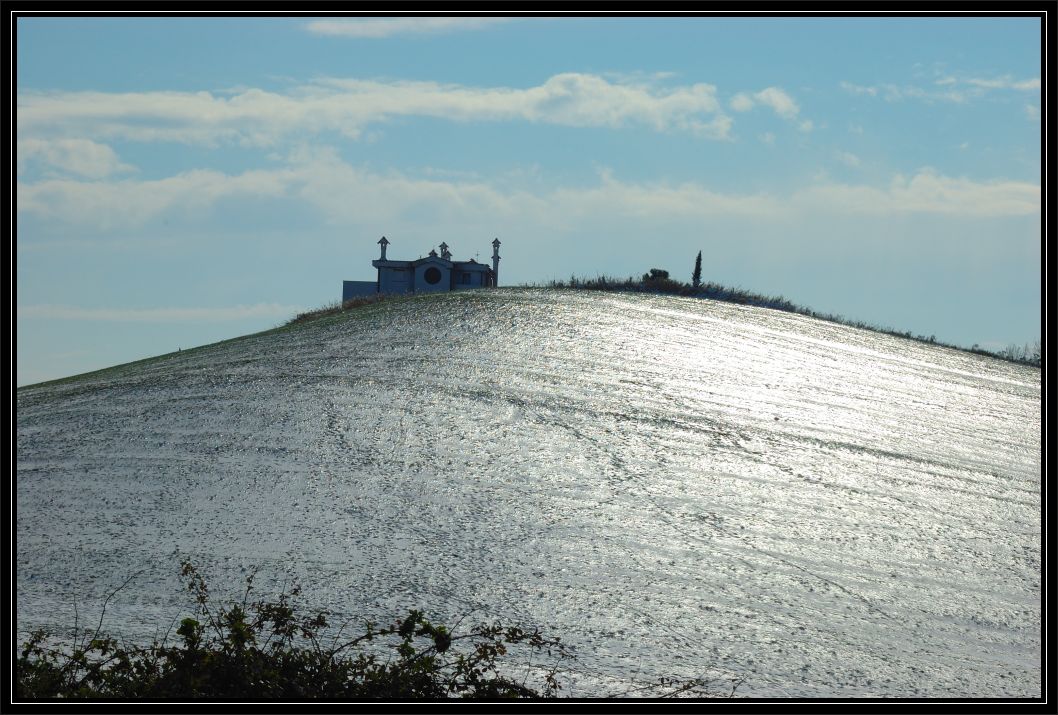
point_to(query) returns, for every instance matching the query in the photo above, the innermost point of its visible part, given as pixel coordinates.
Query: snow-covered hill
(676, 487)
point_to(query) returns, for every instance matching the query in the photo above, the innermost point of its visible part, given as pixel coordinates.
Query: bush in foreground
(260, 650)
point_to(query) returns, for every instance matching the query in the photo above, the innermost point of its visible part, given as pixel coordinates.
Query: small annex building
(433, 274)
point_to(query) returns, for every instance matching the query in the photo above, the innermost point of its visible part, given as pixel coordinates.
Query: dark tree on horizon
(696, 277)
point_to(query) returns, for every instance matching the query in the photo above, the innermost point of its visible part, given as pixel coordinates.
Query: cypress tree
(696, 278)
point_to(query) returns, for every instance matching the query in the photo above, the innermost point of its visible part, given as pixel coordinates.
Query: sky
(184, 180)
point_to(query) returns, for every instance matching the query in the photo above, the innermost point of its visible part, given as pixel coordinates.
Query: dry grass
(335, 308)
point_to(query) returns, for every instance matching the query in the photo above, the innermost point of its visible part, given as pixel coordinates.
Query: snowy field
(675, 487)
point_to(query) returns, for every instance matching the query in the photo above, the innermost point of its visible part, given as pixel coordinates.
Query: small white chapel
(432, 274)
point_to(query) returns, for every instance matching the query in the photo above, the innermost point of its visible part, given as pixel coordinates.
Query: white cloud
(638, 76)
(340, 193)
(388, 27)
(953, 89)
(346, 106)
(858, 89)
(767, 138)
(925, 192)
(779, 101)
(133, 203)
(74, 156)
(158, 315)
(742, 102)
(931, 193)
(806, 126)
(1006, 82)
(848, 158)
(776, 99)
(644, 201)
(1032, 112)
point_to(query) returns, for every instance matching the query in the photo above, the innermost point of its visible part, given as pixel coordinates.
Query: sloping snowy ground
(676, 487)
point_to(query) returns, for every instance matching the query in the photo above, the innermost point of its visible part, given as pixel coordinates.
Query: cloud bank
(339, 192)
(81, 157)
(345, 106)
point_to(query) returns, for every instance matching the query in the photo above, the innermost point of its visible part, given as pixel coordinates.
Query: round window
(432, 275)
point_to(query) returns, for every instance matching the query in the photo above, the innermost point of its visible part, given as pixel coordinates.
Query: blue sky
(185, 180)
